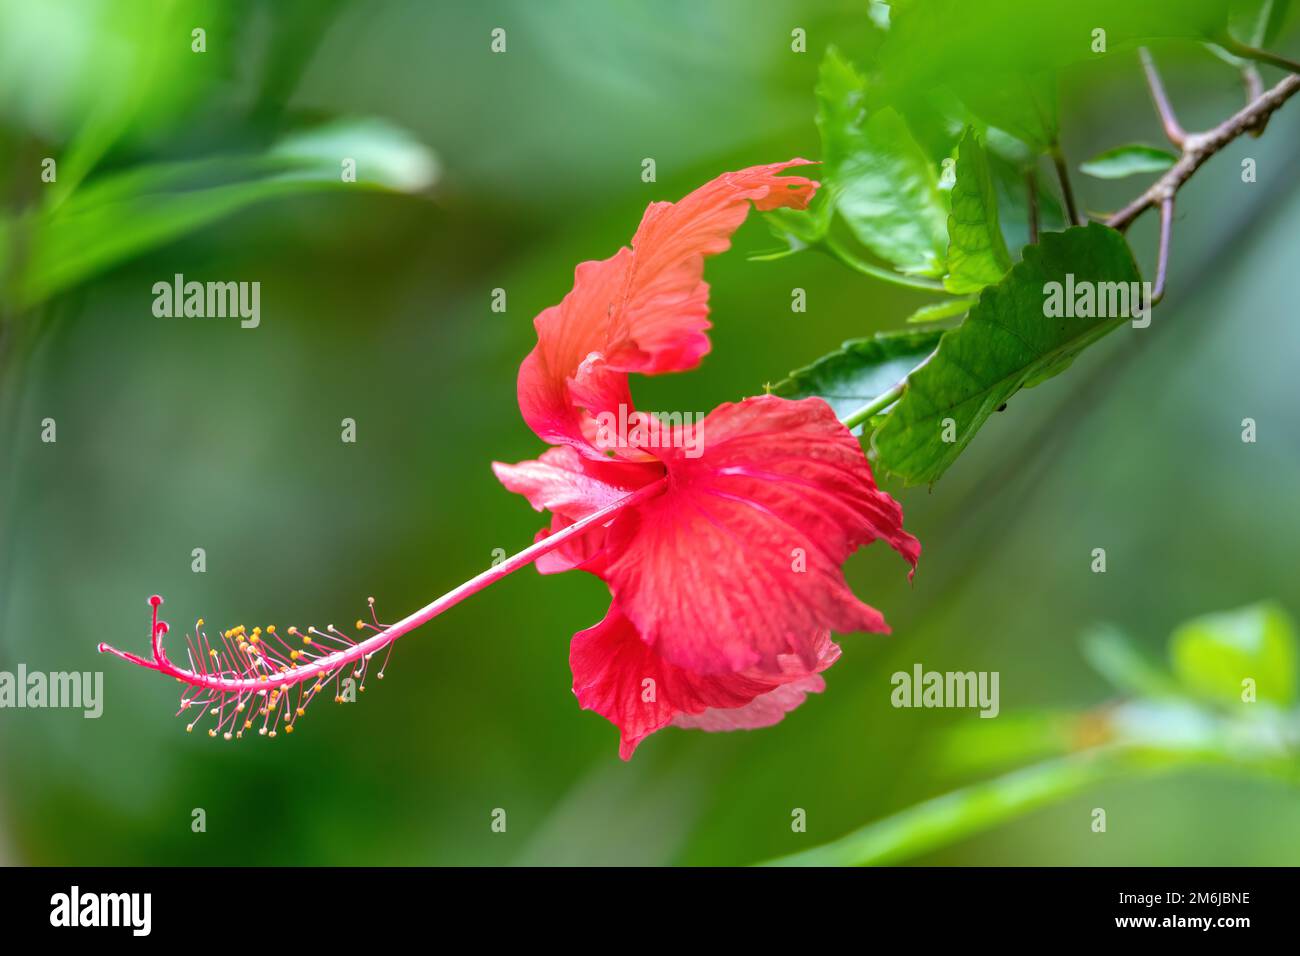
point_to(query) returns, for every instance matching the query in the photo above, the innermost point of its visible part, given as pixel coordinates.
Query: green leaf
(1011, 180)
(1013, 738)
(799, 229)
(1023, 105)
(957, 815)
(937, 311)
(861, 370)
(122, 215)
(91, 77)
(1214, 654)
(1128, 161)
(1008, 342)
(1257, 22)
(965, 44)
(879, 179)
(977, 253)
(1114, 657)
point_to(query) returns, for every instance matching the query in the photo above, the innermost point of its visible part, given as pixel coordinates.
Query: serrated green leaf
(879, 179)
(1008, 342)
(1213, 655)
(1130, 160)
(977, 253)
(124, 214)
(861, 370)
(937, 311)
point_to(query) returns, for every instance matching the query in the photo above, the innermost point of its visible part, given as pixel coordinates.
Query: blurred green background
(182, 433)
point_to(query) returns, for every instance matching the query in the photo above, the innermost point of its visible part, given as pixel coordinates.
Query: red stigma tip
(245, 678)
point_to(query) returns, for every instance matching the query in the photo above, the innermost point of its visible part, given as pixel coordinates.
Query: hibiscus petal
(617, 675)
(565, 483)
(571, 487)
(763, 711)
(645, 309)
(738, 562)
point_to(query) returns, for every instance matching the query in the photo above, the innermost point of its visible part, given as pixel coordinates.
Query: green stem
(961, 813)
(882, 401)
(888, 275)
(1262, 56)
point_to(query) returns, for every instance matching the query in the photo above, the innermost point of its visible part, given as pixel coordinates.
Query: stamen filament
(329, 665)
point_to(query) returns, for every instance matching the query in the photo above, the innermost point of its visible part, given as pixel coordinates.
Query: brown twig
(1031, 185)
(1254, 84)
(1162, 262)
(1174, 131)
(1067, 192)
(1197, 148)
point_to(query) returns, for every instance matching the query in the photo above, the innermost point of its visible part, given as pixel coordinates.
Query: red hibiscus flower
(720, 539)
(725, 574)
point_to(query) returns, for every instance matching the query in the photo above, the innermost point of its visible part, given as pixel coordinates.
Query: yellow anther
(212, 733)
(293, 655)
(254, 639)
(189, 728)
(288, 728)
(306, 639)
(199, 622)
(293, 631)
(361, 625)
(270, 628)
(300, 711)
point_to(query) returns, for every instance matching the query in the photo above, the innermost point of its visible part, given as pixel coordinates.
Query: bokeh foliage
(175, 434)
